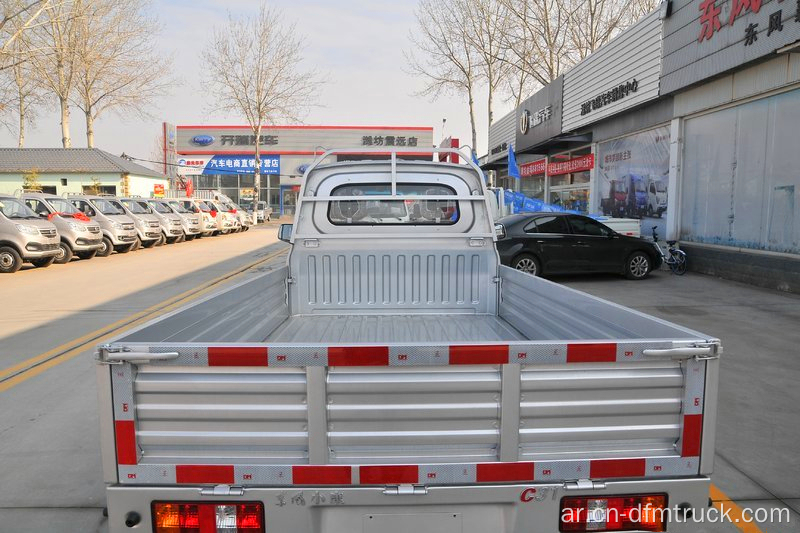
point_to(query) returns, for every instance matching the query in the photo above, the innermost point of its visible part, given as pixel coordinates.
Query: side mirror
(285, 232)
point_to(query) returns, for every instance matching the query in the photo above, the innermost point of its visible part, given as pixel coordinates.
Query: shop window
(101, 189)
(571, 190)
(740, 181)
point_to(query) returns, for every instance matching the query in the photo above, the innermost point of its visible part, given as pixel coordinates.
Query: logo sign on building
(579, 164)
(158, 190)
(534, 168)
(704, 38)
(202, 140)
(612, 95)
(539, 117)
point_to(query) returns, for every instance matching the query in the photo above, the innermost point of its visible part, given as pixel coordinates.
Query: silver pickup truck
(393, 376)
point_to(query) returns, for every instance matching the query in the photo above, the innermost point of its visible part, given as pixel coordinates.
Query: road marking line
(736, 513)
(34, 366)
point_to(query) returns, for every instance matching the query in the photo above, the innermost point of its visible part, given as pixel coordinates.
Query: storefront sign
(388, 140)
(229, 164)
(294, 140)
(528, 120)
(726, 34)
(158, 190)
(579, 164)
(533, 169)
(539, 117)
(612, 95)
(500, 148)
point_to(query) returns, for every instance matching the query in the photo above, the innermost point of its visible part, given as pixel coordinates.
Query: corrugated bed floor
(395, 328)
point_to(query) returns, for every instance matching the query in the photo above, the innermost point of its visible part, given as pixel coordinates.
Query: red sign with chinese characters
(579, 164)
(158, 190)
(534, 168)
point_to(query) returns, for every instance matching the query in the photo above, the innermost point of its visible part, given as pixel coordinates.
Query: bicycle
(674, 258)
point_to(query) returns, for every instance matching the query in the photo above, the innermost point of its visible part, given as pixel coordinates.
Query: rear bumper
(519, 508)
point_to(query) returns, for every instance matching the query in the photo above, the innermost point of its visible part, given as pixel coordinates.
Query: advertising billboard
(633, 175)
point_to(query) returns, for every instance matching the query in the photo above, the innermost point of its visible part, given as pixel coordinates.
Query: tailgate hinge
(222, 490)
(116, 355)
(406, 490)
(584, 484)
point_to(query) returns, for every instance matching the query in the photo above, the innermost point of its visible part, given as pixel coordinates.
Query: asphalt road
(50, 474)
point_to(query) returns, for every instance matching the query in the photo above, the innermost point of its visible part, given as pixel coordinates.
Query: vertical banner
(170, 154)
(633, 175)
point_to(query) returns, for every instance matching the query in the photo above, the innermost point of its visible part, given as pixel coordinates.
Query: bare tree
(255, 61)
(118, 68)
(24, 95)
(486, 24)
(56, 64)
(595, 22)
(16, 18)
(538, 38)
(443, 54)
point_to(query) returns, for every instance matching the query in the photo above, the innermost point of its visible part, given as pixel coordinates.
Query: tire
(528, 264)
(149, 244)
(10, 260)
(269, 218)
(181, 237)
(190, 237)
(87, 255)
(638, 265)
(64, 253)
(107, 248)
(161, 241)
(136, 244)
(125, 248)
(679, 266)
(44, 262)
(650, 211)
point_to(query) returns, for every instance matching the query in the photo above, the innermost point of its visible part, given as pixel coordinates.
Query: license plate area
(417, 523)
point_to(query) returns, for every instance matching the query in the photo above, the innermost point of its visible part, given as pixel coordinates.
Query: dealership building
(221, 158)
(688, 120)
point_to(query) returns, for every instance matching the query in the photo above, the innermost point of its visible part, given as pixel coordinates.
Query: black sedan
(562, 243)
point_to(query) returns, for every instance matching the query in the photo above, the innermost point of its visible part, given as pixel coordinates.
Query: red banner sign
(158, 190)
(579, 164)
(534, 168)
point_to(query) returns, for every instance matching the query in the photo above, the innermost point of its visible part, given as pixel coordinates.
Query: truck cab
(24, 236)
(171, 223)
(78, 235)
(119, 230)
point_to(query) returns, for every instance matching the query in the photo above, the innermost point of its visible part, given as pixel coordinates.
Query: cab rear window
(413, 209)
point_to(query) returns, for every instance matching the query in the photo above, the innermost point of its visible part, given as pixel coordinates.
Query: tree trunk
(66, 141)
(21, 143)
(257, 170)
(472, 118)
(89, 129)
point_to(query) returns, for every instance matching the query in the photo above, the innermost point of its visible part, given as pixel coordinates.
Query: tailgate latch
(584, 484)
(406, 490)
(222, 490)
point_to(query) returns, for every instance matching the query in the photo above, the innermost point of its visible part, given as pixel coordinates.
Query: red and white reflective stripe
(410, 355)
(421, 474)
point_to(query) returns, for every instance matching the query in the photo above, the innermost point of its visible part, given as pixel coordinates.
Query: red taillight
(228, 517)
(645, 512)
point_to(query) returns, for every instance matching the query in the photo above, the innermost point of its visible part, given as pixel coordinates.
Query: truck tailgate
(418, 410)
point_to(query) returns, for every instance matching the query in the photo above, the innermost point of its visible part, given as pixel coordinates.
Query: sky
(356, 45)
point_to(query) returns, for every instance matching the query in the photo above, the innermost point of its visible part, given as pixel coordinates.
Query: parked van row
(43, 229)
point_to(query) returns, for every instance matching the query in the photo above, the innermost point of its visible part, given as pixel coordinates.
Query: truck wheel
(161, 240)
(526, 263)
(637, 266)
(43, 262)
(87, 255)
(107, 247)
(181, 237)
(124, 249)
(136, 244)
(64, 253)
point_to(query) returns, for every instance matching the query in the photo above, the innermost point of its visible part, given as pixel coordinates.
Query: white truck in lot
(393, 376)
